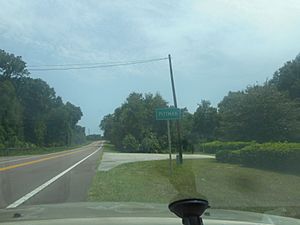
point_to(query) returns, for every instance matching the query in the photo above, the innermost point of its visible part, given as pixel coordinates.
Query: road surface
(45, 179)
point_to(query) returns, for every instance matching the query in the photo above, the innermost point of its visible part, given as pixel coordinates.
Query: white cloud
(228, 43)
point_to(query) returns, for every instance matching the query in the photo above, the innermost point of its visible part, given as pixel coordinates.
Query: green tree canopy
(30, 111)
(11, 65)
(136, 117)
(260, 113)
(287, 78)
(205, 121)
(10, 115)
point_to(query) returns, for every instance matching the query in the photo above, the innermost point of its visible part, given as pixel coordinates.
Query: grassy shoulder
(224, 185)
(108, 147)
(39, 150)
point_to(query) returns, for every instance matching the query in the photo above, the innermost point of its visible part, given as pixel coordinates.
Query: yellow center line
(35, 161)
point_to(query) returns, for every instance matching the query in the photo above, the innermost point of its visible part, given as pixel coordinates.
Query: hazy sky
(216, 45)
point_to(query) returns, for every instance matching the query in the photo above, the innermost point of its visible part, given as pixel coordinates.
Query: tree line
(262, 113)
(31, 114)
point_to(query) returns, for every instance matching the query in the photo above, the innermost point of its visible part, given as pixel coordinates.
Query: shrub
(215, 146)
(229, 156)
(278, 156)
(281, 156)
(150, 145)
(130, 144)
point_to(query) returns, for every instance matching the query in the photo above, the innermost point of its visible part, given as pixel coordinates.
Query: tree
(37, 100)
(205, 121)
(10, 115)
(136, 116)
(11, 66)
(152, 102)
(78, 135)
(132, 115)
(260, 113)
(106, 125)
(188, 136)
(30, 111)
(287, 78)
(74, 113)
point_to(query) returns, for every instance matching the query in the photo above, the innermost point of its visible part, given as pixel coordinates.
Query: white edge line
(46, 184)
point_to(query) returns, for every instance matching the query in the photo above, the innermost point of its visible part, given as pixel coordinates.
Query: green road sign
(168, 114)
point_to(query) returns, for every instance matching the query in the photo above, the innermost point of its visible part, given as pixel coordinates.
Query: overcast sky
(216, 45)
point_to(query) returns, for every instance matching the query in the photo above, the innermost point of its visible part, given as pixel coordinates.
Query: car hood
(127, 213)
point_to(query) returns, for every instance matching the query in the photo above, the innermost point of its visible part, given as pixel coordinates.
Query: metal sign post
(170, 147)
(168, 114)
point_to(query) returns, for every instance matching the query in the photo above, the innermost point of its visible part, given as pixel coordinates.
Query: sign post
(170, 147)
(168, 114)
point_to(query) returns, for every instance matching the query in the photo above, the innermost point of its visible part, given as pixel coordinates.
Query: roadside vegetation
(284, 157)
(226, 186)
(256, 127)
(94, 137)
(215, 146)
(31, 114)
(261, 113)
(108, 147)
(280, 156)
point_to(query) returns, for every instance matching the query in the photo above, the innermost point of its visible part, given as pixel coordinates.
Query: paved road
(111, 160)
(52, 178)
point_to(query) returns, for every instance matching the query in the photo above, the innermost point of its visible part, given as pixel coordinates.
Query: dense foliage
(94, 137)
(259, 113)
(280, 156)
(30, 112)
(287, 78)
(215, 146)
(132, 127)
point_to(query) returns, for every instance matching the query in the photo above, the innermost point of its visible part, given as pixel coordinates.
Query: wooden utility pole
(175, 104)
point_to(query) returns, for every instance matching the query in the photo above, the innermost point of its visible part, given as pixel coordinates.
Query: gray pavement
(111, 160)
(22, 175)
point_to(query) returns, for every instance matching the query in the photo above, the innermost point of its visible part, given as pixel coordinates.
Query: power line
(92, 65)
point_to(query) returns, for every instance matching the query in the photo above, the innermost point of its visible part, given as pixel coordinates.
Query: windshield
(151, 102)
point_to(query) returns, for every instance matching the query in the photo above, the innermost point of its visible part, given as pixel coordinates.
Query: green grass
(224, 185)
(39, 150)
(109, 147)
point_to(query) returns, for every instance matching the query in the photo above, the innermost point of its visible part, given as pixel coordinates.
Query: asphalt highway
(51, 178)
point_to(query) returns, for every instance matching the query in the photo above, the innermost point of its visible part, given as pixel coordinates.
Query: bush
(215, 146)
(278, 156)
(130, 144)
(227, 156)
(281, 156)
(150, 145)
